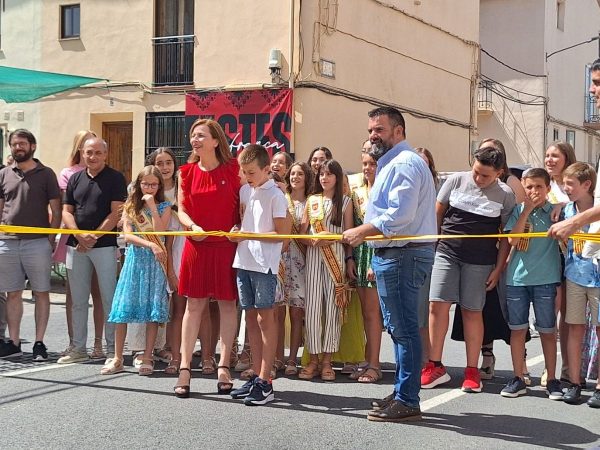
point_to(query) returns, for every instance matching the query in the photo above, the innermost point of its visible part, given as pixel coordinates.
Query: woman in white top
(559, 156)
(164, 159)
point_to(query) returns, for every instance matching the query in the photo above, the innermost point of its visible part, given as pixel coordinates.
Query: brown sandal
(327, 372)
(367, 375)
(183, 390)
(224, 387)
(209, 366)
(247, 374)
(173, 367)
(309, 372)
(291, 368)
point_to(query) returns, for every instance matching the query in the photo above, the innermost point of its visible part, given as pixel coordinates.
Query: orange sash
(295, 226)
(523, 244)
(143, 222)
(334, 266)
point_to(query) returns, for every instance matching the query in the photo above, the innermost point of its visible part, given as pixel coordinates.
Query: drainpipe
(292, 74)
(291, 50)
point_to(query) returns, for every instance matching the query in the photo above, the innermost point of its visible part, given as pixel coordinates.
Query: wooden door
(119, 137)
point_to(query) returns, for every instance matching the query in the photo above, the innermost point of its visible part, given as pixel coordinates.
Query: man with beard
(27, 188)
(401, 202)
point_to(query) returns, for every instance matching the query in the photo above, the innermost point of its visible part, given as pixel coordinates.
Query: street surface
(44, 405)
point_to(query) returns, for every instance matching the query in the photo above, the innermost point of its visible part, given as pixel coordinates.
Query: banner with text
(261, 116)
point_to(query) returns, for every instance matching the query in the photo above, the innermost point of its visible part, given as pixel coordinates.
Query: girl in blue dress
(141, 295)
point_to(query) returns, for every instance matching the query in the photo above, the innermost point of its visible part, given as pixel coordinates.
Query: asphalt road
(44, 405)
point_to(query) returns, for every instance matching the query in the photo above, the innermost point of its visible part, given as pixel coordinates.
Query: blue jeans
(256, 289)
(400, 274)
(518, 301)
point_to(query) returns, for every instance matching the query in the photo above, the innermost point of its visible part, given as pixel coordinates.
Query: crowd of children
(311, 281)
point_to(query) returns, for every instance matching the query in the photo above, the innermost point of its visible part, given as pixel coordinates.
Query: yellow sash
(295, 225)
(360, 198)
(523, 244)
(143, 222)
(316, 211)
(578, 244)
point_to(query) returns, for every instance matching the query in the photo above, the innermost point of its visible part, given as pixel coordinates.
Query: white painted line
(16, 373)
(441, 399)
(536, 360)
(456, 393)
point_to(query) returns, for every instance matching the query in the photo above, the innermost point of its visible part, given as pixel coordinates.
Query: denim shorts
(518, 299)
(256, 289)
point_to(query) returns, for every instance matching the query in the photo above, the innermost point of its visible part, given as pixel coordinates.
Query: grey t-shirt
(26, 197)
(472, 210)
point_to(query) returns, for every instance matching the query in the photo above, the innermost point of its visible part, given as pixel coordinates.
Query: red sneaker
(432, 376)
(472, 381)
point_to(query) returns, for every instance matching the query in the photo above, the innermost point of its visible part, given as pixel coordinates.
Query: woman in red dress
(208, 201)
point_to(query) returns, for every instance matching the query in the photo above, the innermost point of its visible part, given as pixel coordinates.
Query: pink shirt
(67, 173)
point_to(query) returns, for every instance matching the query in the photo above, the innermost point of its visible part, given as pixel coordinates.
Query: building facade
(534, 88)
(340, 59)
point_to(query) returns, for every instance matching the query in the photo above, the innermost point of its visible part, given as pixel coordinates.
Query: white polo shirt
(263, 204)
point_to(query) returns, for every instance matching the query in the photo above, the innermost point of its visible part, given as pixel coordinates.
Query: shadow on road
(501, 427)
(523, 430)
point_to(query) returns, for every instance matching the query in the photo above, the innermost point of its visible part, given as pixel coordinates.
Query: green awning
(22, 85)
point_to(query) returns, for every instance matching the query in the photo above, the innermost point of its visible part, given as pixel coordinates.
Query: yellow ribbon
(40, 230)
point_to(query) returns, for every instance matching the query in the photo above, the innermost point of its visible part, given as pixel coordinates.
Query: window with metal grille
(166, 129)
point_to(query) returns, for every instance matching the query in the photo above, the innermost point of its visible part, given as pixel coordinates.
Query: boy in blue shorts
(583, 279)
(257, 264)
(531, 277)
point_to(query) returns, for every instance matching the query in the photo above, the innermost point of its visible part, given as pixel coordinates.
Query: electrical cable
(511, 88)
(511, 67)
(377, 102)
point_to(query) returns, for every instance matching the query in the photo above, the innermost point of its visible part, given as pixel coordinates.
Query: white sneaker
(73, 356)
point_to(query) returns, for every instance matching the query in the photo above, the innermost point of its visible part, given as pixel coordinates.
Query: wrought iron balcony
(484, 96)
(173, 60)
(591, 114)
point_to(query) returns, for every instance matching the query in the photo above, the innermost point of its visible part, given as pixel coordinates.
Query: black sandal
(183, 390)
(224, 387)
(487, 373)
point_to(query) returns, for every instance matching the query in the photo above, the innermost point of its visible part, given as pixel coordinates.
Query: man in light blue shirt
(401, 202)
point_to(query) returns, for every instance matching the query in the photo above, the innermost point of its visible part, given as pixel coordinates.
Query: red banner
(248, 117)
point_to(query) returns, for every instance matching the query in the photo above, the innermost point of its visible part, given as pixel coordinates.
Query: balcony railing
(173, 60)
(592, 114)
(484, 96)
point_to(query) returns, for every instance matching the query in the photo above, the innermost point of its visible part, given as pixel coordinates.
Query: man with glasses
(92, 201)
(27, 190)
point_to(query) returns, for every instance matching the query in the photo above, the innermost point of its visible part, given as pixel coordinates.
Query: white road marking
(41, 368)
(425, 406)
(441, 399)
(456, 393)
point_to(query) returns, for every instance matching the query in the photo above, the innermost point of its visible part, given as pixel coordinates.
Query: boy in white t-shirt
(257, 264)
